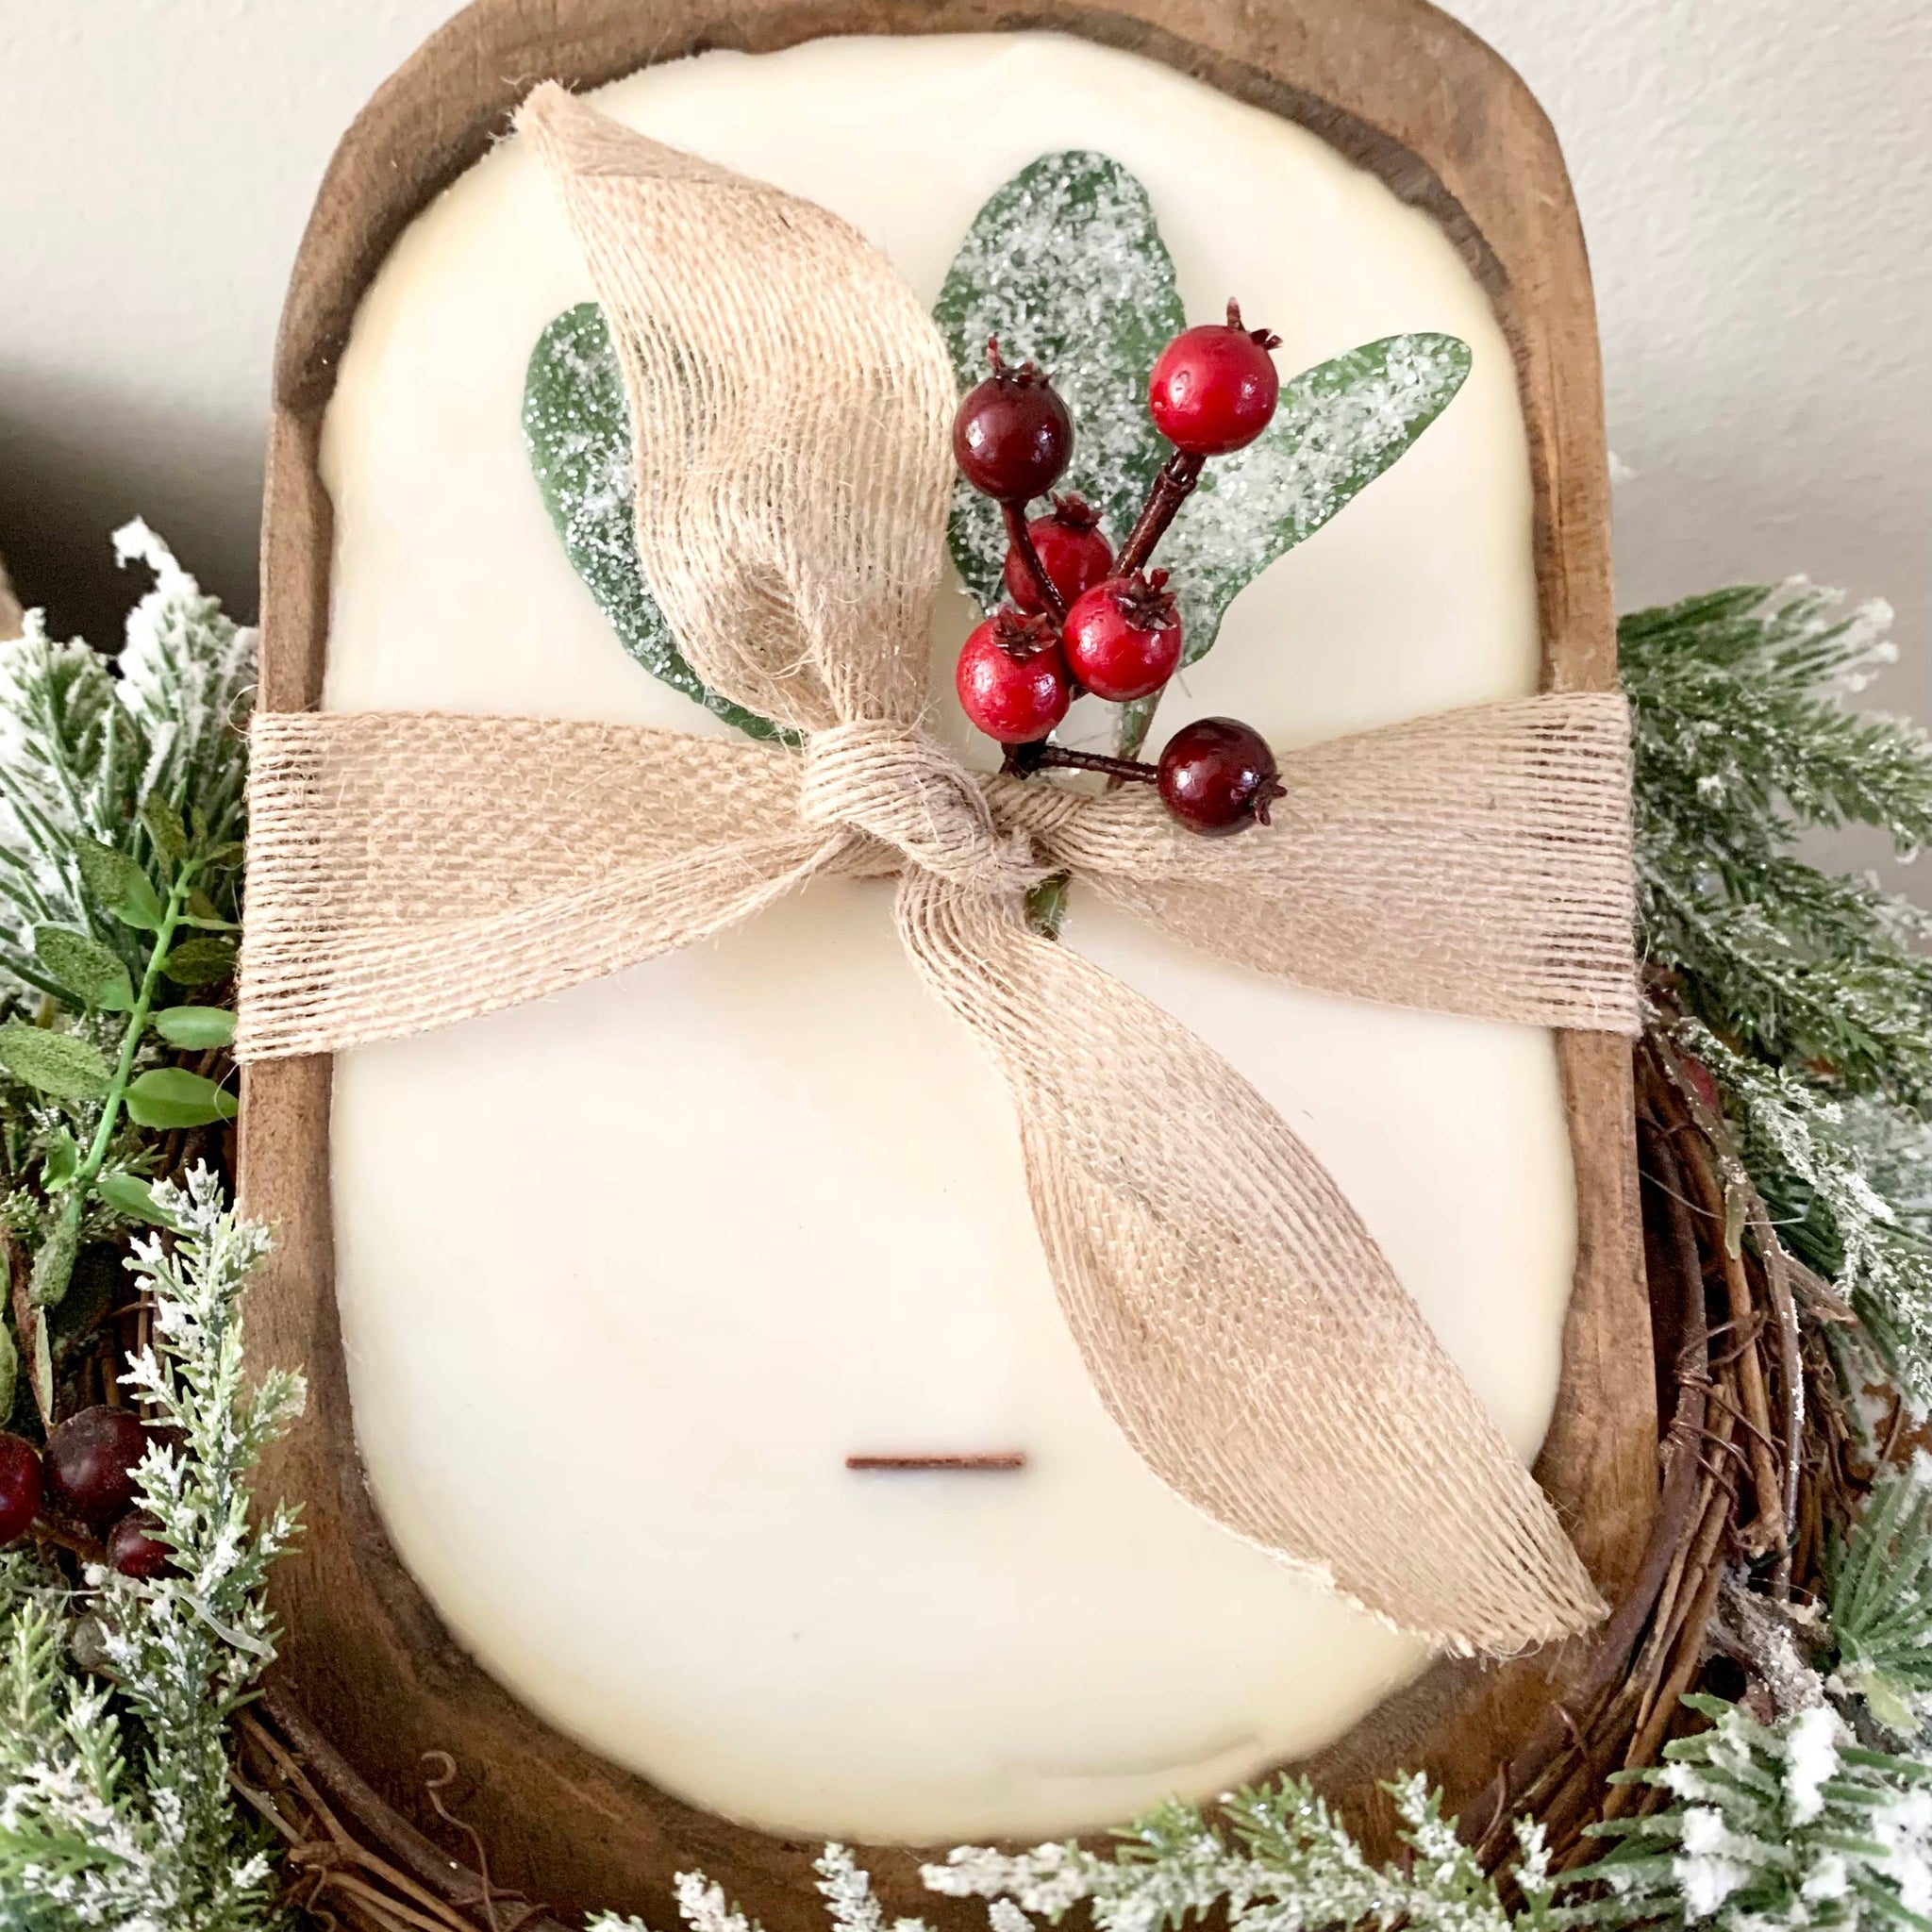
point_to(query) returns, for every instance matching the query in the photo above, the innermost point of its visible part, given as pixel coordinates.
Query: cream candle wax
(626, 1276)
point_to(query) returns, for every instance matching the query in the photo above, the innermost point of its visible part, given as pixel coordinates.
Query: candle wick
(993, 1460)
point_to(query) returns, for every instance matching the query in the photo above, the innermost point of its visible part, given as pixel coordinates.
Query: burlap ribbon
(790, 401)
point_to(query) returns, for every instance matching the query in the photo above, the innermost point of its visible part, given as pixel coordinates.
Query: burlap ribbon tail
(790, 401)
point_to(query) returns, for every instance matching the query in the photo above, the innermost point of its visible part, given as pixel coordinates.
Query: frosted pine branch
(1741, 740)
(1811, 1156)
(1277, 1861)
(1790, 1824)
(116, 1808)
(81, 747)
(1880, 1582)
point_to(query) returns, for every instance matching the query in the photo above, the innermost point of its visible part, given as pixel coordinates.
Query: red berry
(1012, 680)
(1217, 774)
(1012, 435)
(134, 1548)
(20, 1487)
(1071, 550)
(1214, 388)
(1124, 640)
(91, 1460)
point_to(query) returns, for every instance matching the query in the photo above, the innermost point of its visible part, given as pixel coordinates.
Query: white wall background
(1754, 176)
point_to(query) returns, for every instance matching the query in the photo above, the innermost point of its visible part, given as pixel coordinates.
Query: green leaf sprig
(67, 1066)
(1066, 266)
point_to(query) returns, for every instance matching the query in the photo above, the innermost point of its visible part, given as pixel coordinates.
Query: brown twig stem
(1021, 538)
(1022, 761)
(1172, 485)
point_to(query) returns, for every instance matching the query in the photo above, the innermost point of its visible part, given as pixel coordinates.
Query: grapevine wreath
(1746, 1743)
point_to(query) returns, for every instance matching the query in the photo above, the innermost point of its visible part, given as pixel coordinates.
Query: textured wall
(1756, 178)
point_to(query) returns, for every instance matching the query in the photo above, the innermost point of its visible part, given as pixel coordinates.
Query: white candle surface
(626, 1274)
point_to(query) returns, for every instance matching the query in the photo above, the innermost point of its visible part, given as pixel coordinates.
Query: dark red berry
(1215, 388)
(20, 1487)
(91, 1460)
(1217, 774)
(1013, 436)
(1701, 1082)
(1123, 639)
(1071, 550)
(135, 1549)
(1012, 678)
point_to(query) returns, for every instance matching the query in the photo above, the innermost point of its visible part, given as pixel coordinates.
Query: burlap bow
(790, 401)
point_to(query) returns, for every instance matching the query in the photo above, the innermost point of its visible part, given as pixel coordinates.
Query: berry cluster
(1080, 618)
(82, 1486)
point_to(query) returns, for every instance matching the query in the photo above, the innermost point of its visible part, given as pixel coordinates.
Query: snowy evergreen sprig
(1879, 1576)
(1815, 1159)
(121, 814)
(1788, 1824)
(1807, 995)
(82, 747)
(1742, 741)
(115, 1807)
(1274, 1858)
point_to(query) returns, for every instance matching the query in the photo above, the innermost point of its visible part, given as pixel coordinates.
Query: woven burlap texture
(790, 401)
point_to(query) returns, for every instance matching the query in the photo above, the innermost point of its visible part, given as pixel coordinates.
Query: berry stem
(1172, 485)
(1022, 761)
(1021, 538)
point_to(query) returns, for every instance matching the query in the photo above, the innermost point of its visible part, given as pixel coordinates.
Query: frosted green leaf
(164, 827)
(118, 885)
(1066, 266)
(55, 1063)
(577, 429)
(1338, 427)
(200, 962)
(84, 967)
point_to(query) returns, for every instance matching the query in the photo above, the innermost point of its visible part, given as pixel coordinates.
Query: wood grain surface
(1398, 88)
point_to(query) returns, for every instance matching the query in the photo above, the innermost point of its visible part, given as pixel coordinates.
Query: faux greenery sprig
(1807, 995)
(116, 1807)
(68, 1066)
(1065, 264)
(121, 813)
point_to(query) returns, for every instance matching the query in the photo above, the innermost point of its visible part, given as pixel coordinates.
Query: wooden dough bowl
(1399, 89)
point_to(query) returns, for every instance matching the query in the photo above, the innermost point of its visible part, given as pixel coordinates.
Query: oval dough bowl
(1396, 89)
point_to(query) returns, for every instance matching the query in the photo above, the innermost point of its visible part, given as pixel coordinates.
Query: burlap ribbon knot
(790, 401)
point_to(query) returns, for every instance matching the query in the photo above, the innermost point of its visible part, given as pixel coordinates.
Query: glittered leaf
(1065, 265)
(200, 962)
(577, 429)
(164, 827)
(55, 1063)
(174, 1098)
(118, 885)
(1338, 427)
(47, 1281)
(87, 969)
